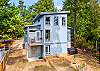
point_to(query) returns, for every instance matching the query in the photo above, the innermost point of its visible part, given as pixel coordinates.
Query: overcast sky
(58, 3)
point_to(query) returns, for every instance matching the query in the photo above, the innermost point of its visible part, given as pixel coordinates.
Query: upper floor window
(47, 35)
(47, 20)
(64, 21)
(56, 20)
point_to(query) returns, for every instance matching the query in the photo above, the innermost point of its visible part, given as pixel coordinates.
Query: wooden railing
(3, 61)
(5, 47)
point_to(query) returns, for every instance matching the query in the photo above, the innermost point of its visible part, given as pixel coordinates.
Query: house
(47, 36)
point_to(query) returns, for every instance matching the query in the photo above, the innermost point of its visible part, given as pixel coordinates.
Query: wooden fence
(3, 62)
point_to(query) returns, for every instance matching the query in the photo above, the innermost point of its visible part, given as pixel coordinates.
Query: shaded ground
(17, 62)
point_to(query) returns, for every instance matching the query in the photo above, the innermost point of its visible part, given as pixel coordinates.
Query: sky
(57, 3)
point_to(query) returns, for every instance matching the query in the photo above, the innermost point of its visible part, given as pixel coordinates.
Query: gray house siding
(58, 35)
(53, 35)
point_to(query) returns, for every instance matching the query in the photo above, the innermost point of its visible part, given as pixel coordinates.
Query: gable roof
(49, 13)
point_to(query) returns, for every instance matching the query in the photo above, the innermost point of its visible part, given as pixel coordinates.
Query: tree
(40, 6)
(96, 10)
(44, 6)
(11, 24)
(22, 8)
(3, 14)
(4, 3)
(87, 18)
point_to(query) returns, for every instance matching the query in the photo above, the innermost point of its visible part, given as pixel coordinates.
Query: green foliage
(13, 18)
(81, 42)
(43, 6)
(40, 6)
(87, 22)
(4, 3)
(11, 24)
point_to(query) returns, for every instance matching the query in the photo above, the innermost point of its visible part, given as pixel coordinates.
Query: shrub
(80, 42)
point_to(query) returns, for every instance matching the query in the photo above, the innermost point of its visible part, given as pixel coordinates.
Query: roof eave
(49, 13)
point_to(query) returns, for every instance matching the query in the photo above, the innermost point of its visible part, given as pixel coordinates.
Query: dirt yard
(17, 62)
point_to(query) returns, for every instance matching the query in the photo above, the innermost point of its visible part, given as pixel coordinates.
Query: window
(68, 36)
(47, 20)
(56, 20)
(64, 21)
(47, 49)
(47, 35)
(37, 35)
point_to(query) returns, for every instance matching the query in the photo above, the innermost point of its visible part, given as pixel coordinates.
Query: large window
(64, 21)
(55, 20)
(47, 20)
(47, 49)
(47, 35)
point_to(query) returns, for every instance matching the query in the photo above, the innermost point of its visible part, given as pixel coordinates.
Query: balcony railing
(33, 40)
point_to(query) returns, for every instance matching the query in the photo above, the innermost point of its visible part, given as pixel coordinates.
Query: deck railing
(35, 41)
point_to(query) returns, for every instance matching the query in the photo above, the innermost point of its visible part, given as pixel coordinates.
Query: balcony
(34, 42)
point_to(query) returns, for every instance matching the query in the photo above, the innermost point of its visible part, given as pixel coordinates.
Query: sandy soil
(17, 62)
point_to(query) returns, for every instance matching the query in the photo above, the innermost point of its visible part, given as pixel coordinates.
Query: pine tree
(88, 19)
(21, 7)
(44, 6)
(10, 22)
